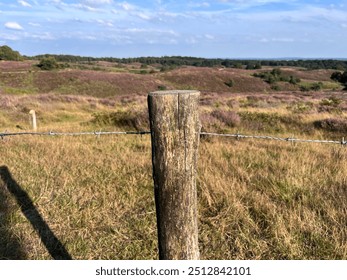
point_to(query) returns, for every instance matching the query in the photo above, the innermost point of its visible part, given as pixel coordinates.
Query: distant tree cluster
(253, 65)
(276, 75)
(340, 77)
(6, 53)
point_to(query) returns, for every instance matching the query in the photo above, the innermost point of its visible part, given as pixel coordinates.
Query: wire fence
(266, 137)
(237, 136)
(52, 133)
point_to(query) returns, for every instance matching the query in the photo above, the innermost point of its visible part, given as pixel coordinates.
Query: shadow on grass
(48, 238)
(10, 247)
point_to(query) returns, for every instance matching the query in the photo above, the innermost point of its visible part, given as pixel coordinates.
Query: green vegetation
(6, 53)
(311, 86)
(48, 63)
(253, 65)
(341, 78)
(205, 62)
(276, 75)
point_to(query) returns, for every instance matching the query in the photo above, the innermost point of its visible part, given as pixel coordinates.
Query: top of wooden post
(174, 92)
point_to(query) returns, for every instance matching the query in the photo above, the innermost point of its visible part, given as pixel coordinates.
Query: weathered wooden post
(175, 132)
(33, 115)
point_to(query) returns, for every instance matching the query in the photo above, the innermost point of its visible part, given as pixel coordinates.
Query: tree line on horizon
(6, 53)
(174, 61)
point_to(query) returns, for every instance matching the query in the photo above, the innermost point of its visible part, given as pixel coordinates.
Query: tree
(6, 53)
(48, 63)
(340, 77)
(257, 66)
(294, 80)
(276, 72)
(238, 65)
(336, 76)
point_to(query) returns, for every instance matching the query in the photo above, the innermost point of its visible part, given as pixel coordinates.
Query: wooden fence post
(175, 132)
(33, 115)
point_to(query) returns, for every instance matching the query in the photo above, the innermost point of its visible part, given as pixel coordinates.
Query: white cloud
(13, 25)
(24, 3)
(41, 36)
(279, 40)
(254, 2)
(283, 40)
(91, 38)
(191, 41)
(85, 8)
(97, 2)
(127, 6)
(152, 31)
(34, 24)
(104, 23)
(246, 4)
(143, 16)
(10, 37)
(302, 14)
(199, 5)
(264, 40)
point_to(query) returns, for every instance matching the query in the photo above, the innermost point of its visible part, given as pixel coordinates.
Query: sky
(200, 28)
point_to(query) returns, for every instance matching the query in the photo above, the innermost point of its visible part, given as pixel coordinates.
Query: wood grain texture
(175, 128)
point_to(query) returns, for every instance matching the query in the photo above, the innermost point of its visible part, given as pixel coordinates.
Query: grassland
(257, 199)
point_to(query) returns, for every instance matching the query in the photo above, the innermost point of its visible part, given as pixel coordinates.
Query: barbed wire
(237, 136)
(266, 137)
(52, 133)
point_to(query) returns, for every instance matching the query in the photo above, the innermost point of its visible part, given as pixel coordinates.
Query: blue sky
(206, 28)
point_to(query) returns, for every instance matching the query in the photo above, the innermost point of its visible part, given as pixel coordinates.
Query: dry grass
(97, 204)
(257, 199)
(273, 201)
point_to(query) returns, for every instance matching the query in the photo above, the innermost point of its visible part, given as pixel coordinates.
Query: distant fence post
(175, 132)
(33, 115)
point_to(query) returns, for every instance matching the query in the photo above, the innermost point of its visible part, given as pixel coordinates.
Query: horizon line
(199, 57)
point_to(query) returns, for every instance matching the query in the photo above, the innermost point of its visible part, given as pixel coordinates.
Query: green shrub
(294, 80)
(275, 87)
(275, 75)
(161, 87)
(229, 83)
(48, 63)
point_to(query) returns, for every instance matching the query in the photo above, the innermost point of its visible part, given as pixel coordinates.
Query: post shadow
(10, 246)
(48, 238)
